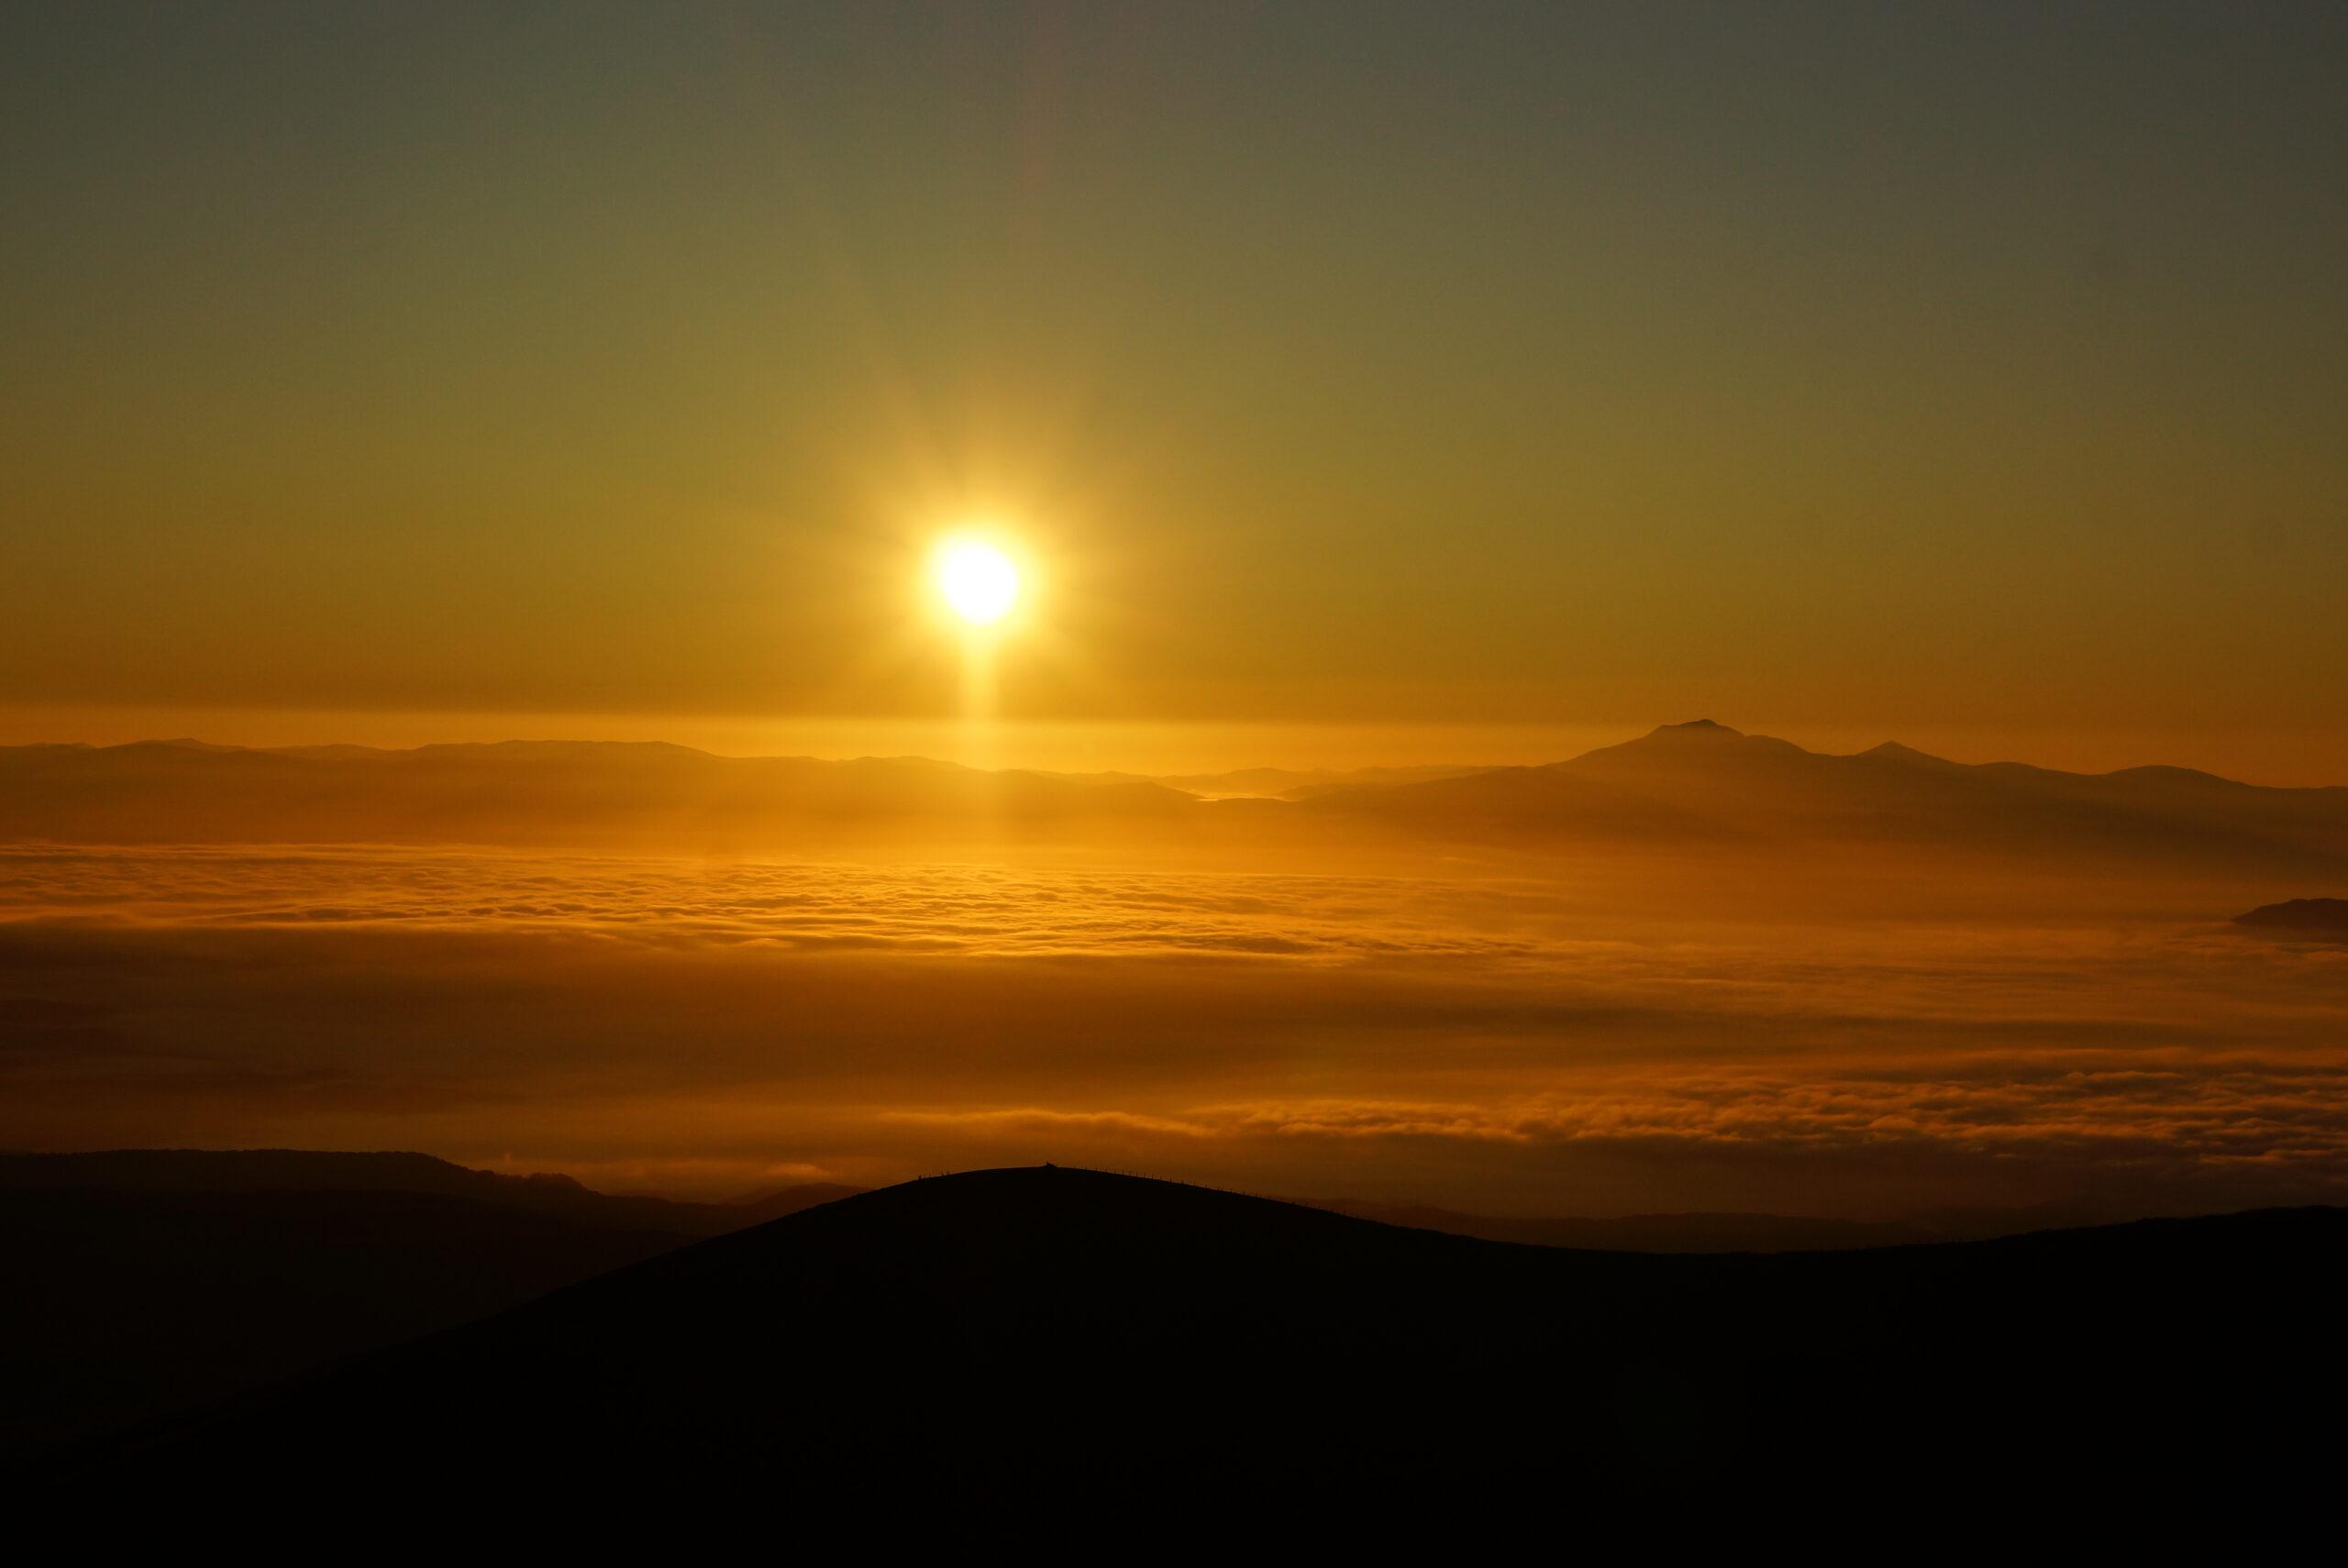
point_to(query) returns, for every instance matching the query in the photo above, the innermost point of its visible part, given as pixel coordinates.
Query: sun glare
(978, 580)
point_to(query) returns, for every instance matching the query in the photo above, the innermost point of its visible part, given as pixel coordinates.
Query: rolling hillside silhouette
(1035, 1350)
(157, 1281)
(144, 1282)
(1699, 784)
(2307, 917)
(1667, 1232)
(1703, 782)
(645, 796)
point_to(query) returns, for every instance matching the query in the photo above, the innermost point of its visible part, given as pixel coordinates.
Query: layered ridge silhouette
(1700, 783)
(156, 1280)
(645, 796)
(2317, 917)
(1041, 1350)
(145, 1281)
(1704, 782)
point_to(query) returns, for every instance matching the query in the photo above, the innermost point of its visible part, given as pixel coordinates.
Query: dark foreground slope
(1039, 1351)
(1696, 1232)
(139, 1283)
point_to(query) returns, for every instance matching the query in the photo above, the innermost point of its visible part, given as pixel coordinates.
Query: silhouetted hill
(1034, 1355)
(1293, 784)
(1703, 782)
(226, 1172)
(645, 796)
(1646, 1232)
(2320, 916)
(1700, 785)
(760, 1206)
(144, 1282)
(123, 1307)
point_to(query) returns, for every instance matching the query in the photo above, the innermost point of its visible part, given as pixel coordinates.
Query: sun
(979, 582)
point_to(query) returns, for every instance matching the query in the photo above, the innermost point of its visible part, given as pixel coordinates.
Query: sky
(1839, 372)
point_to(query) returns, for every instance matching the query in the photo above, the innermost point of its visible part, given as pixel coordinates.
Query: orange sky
(1969, 375)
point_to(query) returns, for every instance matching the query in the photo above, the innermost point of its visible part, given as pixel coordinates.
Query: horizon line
(196, 743)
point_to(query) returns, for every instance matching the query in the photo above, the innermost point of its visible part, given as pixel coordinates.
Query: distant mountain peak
(1892, 751)
(2324, 915)
(1704, 746)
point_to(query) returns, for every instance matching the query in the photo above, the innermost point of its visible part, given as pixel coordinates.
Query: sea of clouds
(1510, 1045)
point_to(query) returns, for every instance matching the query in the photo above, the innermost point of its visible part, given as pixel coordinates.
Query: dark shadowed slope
(1285, 783)
(144, 1282)
(1703, 782)
(1649, 1232)
(2314, 917)
(1701, 786)
(227, 1172)
(1035, 1350)
(647, 797)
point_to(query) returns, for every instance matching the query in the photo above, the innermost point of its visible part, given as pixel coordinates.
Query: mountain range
(1699, 784)
(2306, 917)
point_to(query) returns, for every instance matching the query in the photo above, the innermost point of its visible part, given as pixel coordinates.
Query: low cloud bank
(1503, 1045)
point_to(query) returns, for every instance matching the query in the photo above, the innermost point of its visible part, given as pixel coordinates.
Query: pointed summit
(1699, 742)
(1892, 751)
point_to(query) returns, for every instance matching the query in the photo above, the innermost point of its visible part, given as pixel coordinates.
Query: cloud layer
(1512, 1045)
